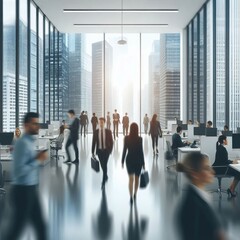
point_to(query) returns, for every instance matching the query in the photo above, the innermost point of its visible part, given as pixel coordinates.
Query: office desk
(236, 167)
(183, 151)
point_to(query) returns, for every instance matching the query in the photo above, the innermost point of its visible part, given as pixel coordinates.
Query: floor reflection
(102, 224)
(136, 228)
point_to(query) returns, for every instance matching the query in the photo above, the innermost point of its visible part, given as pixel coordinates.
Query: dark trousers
(26, 209)
(83, 129)
(94, 127)
(125, 130)
(154, 142)
(68, 144)
(115, 130)
(103, 156)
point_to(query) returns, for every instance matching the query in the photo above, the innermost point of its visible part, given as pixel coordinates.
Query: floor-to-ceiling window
(9, 65)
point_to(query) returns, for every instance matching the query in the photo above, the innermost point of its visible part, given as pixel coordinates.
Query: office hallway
(77, 209)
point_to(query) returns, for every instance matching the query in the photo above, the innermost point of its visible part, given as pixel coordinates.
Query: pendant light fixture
(122, 41)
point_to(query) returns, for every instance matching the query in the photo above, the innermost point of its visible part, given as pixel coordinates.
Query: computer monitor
(6, 138)
(238, 129)
(236, 140)
(198, 131)
(211, 132)
(43, 125)
(227, 133)
(179, 122)
(184, 127)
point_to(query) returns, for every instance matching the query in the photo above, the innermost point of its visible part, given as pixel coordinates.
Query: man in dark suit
(83, 123)
(177, 141)
(125, 122)
(116, 121)
(103, 143)
(94, 122)
(73, 137)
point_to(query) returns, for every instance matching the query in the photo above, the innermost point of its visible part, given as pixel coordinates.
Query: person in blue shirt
(25, 178)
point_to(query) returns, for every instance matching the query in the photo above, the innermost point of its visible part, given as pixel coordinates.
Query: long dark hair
(61, 129)
(133, 135)
(220, 140)
(154, 117)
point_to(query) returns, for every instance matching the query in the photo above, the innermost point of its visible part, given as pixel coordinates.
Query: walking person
(83, 123)
(155, 132)
(108, 121)
(116, 121)
(73, 137)
(102, 144)
(87, 120)
(133, 148)
(24, 194)
(146, 123)
(125, 122)
(94, 122)
(196, 217)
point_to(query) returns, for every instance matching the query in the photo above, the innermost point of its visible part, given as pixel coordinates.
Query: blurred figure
(196, 218)
(155, 132)
(73, 137)
(197, 123)
(24, 193)
(103, 144)
(209, 124)
(226, 128)
(146, 123)
(17, 134)
(86, 114)
(221, 159)
(116, 121)
(190, 122)
(58, 142)
(104, 221)
(63, 122)
(133, 147)
(83, 123)
(125, 122)
(94, 122)
(108, 121)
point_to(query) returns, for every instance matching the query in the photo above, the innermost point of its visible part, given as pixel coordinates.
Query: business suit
(135, 156)
(84, 123)
(155, 132)
(94, 122)
(102, 143)
(177, 143)
(116, 121)
(196, 219)
(221, 159)
(125, 123)
(73, 138)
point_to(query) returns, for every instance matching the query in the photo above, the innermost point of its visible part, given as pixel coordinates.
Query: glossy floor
(77, 209)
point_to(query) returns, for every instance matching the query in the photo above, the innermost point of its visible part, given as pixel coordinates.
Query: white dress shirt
(102, 145)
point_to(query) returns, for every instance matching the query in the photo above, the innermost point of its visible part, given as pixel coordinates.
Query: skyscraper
(79, 74)
(98, 86)
(169, 95)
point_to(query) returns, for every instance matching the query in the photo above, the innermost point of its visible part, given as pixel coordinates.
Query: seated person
(209, 124)
(17, 134)
(221, 159)
(226, 128)
(190, 122)
(57, 142)
(177, 141)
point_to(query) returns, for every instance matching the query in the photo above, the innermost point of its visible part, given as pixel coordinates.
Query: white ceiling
(64, 22)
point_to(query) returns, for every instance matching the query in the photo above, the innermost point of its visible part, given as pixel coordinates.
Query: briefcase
(144, 179)
(95, 164)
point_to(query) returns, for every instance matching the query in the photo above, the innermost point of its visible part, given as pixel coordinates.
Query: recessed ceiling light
(119, 10)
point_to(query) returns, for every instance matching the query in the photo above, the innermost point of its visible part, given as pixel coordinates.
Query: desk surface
(47, 137)
(235, 167)
(188, 149)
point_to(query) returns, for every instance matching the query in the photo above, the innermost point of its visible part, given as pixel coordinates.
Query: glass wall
(217, 68)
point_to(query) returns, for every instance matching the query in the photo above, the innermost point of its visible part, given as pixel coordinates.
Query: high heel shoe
(231, 194)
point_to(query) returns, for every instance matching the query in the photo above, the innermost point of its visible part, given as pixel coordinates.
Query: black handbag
(144, 179)
(95, 164)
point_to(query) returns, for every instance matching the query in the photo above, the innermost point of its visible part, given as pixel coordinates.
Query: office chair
(170, 155)
(56, 146)
(2, 190)
(219, 177)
